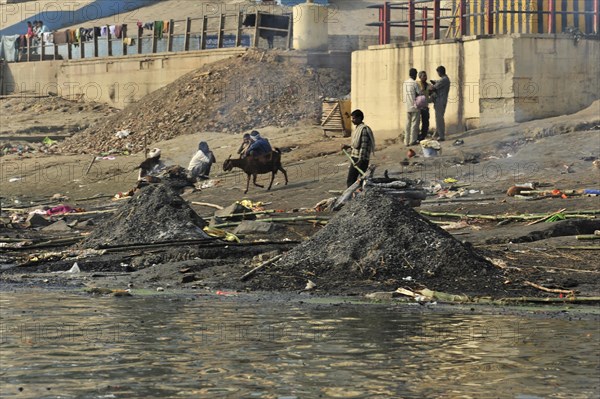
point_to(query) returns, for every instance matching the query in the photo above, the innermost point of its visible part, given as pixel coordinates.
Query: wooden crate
(335, 117)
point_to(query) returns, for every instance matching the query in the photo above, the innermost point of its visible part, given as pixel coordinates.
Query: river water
(70, 345)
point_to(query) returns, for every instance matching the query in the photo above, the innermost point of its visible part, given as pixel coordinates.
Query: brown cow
(267, 163)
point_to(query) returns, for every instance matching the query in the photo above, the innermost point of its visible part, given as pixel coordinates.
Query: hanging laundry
(139, 24)
(8, 48)
(158, 29)
(118, 30)
(111, 29)
(128, 41)
(77, 35)
(104, 31)
(61, 37)
(149, 25)
(165, 26)
(48, 37)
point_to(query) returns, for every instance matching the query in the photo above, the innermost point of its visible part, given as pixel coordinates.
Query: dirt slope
(231, 96)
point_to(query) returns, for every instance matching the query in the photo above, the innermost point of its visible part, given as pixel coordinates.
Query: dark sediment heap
(154, 214)
(375, 242)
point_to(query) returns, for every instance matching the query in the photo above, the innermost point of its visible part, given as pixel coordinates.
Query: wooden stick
(596, 248)
(93, 198)
(259, 267)
(91, 212)
(235, 215)
(553, 290)
(568, 299)
(90, 165)
(460, 199)
(208, 204)
(546, 217)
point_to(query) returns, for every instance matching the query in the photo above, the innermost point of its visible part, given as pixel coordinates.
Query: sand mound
(234, 95)
(155, 214)
(376, 243)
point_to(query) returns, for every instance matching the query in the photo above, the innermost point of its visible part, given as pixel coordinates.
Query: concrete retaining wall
(117, 81)
(496, 79)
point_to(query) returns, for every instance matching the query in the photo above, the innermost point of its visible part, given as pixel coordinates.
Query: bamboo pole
(568, 214)
(545, 289)
(546, 217)
(259, 267)
(588, 237)
(593, 248)
(362, 173)
(204, 243)
(219, 207)
(275, 220)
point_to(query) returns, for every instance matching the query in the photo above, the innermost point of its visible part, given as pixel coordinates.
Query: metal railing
(434, 13)
(202, 33)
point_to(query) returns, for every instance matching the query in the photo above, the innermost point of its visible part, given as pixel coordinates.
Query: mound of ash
(377, 243)
(155, 214)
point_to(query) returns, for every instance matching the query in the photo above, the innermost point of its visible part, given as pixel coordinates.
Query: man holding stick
(362, 145)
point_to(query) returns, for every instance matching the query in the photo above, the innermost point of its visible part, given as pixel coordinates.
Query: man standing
(424, 90)
(411, 91)
(363, 144)
(441, 88)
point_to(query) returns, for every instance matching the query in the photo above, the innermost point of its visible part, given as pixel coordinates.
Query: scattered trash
(410, 153)
(74, 269)
(431, 148)
(226, 293)
(568, 169)
(458, 142)
(62, 209)
(209, 183)
(407, 278)
(14, 179)
(309, 285)
(218, 233)
(121, 134)
(59, 197)
(47, 141)
(455, 225)
(160, 289)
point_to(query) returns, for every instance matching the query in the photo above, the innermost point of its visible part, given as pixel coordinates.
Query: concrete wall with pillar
(495, 79)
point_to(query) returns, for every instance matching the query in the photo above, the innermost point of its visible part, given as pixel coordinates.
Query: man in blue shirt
(258, 146)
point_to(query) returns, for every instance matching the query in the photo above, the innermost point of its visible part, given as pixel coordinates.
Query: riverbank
(466, 195)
